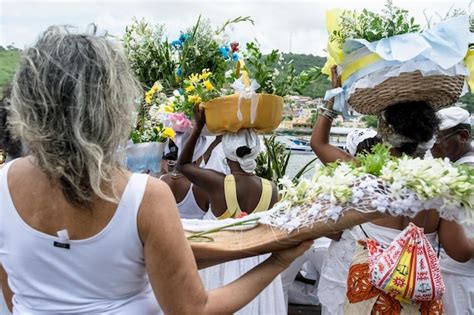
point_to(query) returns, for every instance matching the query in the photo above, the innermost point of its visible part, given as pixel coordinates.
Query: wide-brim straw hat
(437, 90)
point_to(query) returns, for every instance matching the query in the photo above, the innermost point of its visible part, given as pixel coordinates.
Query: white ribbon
(247, 92)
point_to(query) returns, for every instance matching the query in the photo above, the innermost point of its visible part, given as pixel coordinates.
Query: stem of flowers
(202, 236)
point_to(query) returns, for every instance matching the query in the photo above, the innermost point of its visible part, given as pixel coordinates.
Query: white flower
(229, 73)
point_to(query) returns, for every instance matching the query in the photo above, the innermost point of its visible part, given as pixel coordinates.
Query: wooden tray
(231, 245)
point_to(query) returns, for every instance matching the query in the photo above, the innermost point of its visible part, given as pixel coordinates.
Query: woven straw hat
(437, 90)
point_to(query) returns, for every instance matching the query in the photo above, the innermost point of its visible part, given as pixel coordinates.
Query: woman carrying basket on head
(234, 195)
(406, 127)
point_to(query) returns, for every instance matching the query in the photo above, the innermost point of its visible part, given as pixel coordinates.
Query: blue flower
(224, 50)
(235, 57)
(177, 44)
(184, 37)
(179, 72)
(181, 91)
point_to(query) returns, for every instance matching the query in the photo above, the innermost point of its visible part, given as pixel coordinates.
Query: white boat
(294, 144)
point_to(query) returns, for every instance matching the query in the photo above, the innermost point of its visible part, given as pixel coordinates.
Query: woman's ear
(464, 136)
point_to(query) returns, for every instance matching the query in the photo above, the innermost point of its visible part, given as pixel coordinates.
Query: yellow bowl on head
(221, 113)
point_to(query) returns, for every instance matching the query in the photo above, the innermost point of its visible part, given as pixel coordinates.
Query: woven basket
(221, 113)
(437, 90)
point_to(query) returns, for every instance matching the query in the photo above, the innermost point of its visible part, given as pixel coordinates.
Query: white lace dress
(269, 301)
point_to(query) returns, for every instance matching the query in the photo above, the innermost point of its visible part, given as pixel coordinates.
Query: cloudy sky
(296, 26)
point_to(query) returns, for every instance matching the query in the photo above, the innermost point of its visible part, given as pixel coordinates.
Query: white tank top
(188, 207)
(103, 274)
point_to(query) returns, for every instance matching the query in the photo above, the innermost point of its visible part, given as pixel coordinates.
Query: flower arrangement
(373, 26)
(380, 54)
(153, 115)
(377, 181)
(198, 88)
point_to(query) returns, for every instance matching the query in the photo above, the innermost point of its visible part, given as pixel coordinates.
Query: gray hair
(71, 106)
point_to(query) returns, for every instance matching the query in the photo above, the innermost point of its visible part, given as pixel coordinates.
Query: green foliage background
(10, 59)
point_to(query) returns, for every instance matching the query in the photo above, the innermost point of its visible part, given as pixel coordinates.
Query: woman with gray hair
(79, 233)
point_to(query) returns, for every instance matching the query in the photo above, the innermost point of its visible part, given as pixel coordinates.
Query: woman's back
(101, 269)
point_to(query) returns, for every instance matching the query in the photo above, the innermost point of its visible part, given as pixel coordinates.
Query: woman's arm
(326, 152)
(172, 268)
(454, 241)
(197, 175)
(7, 292)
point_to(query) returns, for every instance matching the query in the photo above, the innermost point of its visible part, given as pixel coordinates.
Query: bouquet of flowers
(380, 182)
(152, 131)
(385, 58)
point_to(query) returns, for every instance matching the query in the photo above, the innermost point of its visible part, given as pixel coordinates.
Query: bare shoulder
(158, 205)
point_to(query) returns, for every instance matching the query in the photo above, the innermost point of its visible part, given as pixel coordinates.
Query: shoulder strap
(265, 197)
(230, 191)
(133, 194)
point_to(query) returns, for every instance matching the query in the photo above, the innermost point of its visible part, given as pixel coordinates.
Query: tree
(468, 100)
(370, 121)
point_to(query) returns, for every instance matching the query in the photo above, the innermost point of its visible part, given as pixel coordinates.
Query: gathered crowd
(80, 234)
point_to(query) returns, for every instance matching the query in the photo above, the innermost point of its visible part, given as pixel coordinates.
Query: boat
(295, 144)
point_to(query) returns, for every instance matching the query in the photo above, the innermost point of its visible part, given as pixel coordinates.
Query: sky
(290, 26)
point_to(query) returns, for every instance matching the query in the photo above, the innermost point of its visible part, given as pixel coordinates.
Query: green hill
(9, 61)
(302, 62)
(10, 58)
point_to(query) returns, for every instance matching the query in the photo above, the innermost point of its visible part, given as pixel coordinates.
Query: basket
(437, 90)
(221, 113)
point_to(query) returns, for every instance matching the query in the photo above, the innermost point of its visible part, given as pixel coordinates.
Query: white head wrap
(453, 116)
(201, 147)
(356, 136)
(243, 138)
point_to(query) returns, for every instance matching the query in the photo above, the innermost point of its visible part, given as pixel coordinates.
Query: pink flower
(180, 122)
(234, 46)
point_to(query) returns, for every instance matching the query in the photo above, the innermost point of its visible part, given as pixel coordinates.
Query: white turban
(201, 147)
(231, 142)
(356, 136)
(453, 116)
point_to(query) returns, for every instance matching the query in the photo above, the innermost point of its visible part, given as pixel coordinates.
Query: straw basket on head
(222, 113)
(437, 90)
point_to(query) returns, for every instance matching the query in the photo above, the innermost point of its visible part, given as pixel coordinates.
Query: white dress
(458, 277)
(313, 259)
(270, 301)
(333, 279)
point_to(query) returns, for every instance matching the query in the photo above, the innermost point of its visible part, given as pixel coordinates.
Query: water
(297, 161)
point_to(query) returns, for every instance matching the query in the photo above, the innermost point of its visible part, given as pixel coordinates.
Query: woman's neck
(236, 169)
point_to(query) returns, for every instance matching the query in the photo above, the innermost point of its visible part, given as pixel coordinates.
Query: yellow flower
(196, 99)
(205, 74)
(168, 133)
(148, 98)
(208, 85)
(194, 78)
(190, 88)
(168, 109)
